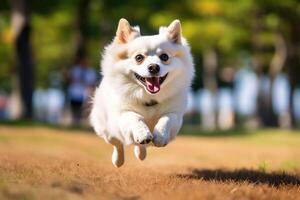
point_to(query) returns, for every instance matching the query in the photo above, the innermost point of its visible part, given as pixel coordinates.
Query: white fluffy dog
(143, 93)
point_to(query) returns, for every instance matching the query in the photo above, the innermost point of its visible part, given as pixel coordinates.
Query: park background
(246, 55)
(240, 138)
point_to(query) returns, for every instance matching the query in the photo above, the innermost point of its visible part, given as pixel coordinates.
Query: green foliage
(53, 43)
(6, 52)
(228, 26)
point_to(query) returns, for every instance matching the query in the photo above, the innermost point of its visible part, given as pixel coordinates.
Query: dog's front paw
(159, 140)
(142, 138)
(161, 135)
(141, 134)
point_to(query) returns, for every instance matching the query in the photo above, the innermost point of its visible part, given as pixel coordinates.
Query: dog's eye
(139, 58)
(164, 57)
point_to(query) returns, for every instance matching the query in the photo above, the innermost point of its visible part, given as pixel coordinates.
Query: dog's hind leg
(140, 152)
(118, 156)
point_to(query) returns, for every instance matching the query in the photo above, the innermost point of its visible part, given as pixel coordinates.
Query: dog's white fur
(119, 114)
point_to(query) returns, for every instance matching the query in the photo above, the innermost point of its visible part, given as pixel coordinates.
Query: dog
(142, 97)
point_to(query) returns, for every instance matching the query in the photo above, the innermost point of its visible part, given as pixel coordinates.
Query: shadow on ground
(275, 179)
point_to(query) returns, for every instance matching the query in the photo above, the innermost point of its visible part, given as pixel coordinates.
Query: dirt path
(43, 163)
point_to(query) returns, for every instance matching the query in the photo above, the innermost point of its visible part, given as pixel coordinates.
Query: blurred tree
(6, 49)
(21, 33)
(289, 16)
(82, 22)
(219, 31)
(278, 19)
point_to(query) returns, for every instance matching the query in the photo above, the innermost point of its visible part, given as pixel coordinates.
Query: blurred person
(55, 99)
(3, 105)
(40, 104)
(14, 104)
(296, 106)
(225, 109)
(225, 100)
(207, 107)
(281, 100)
(82, 82)
(245, 97)
(246, 84)
(191, 115)
(191, 107)
(49, 103)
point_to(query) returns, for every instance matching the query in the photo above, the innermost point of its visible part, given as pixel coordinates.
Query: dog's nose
(153, 69)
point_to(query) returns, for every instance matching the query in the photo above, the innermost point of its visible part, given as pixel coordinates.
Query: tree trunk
(81, 29)
(258, 66)
(210, 65)
(276, 65)
(293, 64)
(21, 32)
(279, 57)
(293, 61)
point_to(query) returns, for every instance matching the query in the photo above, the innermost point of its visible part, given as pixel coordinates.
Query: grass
(40, 162)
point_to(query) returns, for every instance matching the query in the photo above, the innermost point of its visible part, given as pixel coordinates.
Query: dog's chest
(151, 122)
(152, 112)
(150, 103)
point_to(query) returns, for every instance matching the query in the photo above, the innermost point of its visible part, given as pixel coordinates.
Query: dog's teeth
(137, 76)
(140, 78)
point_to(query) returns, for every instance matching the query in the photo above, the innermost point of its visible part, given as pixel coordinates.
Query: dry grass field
(47, 163)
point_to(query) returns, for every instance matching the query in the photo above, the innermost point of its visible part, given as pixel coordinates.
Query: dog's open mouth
(152, 84)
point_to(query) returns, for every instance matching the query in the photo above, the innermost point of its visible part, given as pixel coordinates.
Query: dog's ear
(174, 31)
(125, 32)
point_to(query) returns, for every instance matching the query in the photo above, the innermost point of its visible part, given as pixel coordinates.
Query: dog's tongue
(152, 84)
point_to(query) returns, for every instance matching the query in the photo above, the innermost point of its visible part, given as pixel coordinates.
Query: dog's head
(153, 63)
